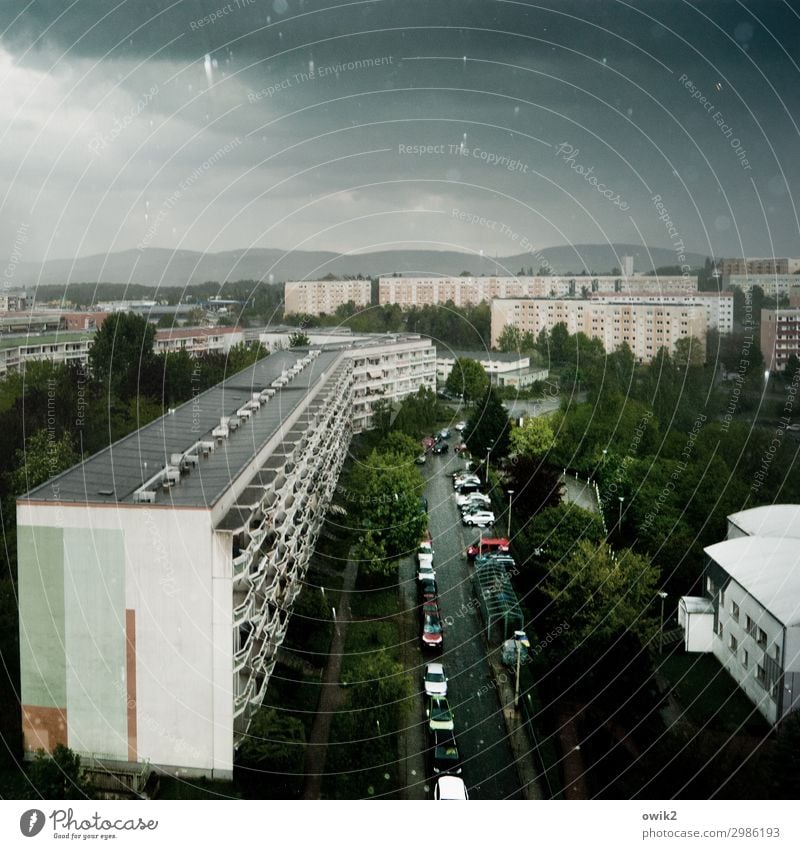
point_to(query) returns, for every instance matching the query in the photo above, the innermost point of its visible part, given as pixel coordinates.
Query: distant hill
(163, 267)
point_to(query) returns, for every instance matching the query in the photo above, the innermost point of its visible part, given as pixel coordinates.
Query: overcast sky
(362, 125)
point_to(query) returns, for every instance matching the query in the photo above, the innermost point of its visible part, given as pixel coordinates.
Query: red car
(428, 443)
(432, 627)
(487, 545)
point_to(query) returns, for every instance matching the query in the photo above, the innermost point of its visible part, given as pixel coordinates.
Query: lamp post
(662, 595)
(605, 452)
(488, 452)
(619, 522)
(510, 501)
(521, 639)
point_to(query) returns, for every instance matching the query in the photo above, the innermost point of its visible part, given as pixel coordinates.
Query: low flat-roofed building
(197, 340)
(17, 351)
(315, 297)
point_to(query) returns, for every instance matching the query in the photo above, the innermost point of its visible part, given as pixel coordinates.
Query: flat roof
(112, 475)
(768, 568)
(697, 604)
(770, 520)
(44, 339)
(500, 356)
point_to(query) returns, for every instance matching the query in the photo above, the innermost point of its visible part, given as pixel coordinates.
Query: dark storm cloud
(527, 110)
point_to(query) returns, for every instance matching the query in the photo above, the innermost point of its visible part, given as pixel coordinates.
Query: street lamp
(619, 523)
(510, 500)
(662, 595)
(521, 639)
(488, 452)
(605, 452)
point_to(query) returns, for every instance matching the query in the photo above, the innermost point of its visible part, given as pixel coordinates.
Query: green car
(440, 717)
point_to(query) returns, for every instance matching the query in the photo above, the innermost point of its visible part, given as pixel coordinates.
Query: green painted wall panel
(94, 602)
(40, 555)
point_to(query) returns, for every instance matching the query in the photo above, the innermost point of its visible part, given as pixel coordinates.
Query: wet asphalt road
(489, 770)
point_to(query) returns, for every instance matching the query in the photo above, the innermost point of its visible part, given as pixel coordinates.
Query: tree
(488, 426)
(387, 487)
(41, 458)
(536, 484)
(556, 531)
(298, 339)
(468, 378)
(382, 416)
(418, 413)
(689, 352)
(166, 322)
(59, 776)
(275, 742)
(600, 593)
(401, 444)
(534, 439)
(122, 348)
(510, 339)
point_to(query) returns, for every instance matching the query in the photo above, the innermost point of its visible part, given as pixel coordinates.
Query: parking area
(488, 764)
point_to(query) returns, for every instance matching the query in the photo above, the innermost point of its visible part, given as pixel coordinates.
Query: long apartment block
(644, 327)
(315, 297)
(157, 577)
(465, 291)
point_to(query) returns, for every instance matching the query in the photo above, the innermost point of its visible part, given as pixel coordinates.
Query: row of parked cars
(443, 754)
(475, 505)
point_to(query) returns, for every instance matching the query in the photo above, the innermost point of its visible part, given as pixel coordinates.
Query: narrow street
(489, 770)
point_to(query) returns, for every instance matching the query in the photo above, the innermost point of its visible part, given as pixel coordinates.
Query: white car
(450, 787)
(426, 572)
(480, 519)
(472, 480)
(472, 498)
(460, 426)
(435, 680)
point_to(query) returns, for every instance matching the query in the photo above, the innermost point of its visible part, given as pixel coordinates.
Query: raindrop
(743, 31)
(280, 7)
(516, 110)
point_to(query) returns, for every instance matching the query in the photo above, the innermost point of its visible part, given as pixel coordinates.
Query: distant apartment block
(16, 352)
(13, 302)
(780, 336)
(750, 613)
(315, 297)
(772, 285)
(157, 578)
(718, 305)
(197, 340)
(645, 327)
(760, 265)
(410, 292)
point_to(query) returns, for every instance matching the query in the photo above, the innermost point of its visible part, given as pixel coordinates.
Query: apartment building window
(761, 675)
(745, 659)
(734, 611)
(777, 654)
(733, 644)
(761, 639)
(749, 626)
(719, 630)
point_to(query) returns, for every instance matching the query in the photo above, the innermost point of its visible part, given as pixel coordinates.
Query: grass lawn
(709, 696)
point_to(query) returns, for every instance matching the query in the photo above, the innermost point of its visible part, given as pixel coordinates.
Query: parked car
(444, 433)
(440, 717)
(441, 448)
(480, 519)
(427, 589)
(461, 448)
(427, 443)
(432, 626)
(425, 571)
(446, 757)
(461, 477)
(435, 680)
(421, 459)
(487, 545)
(469, 509)
(496, 559)
(450, 787)
(469, 487)
(464, 498)
(460, 426)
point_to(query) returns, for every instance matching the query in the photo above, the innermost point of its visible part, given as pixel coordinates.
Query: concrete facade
(314, 297)
(157, 577)
(644, 327)
(718, 305)
(468, 291)
(780, 336)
